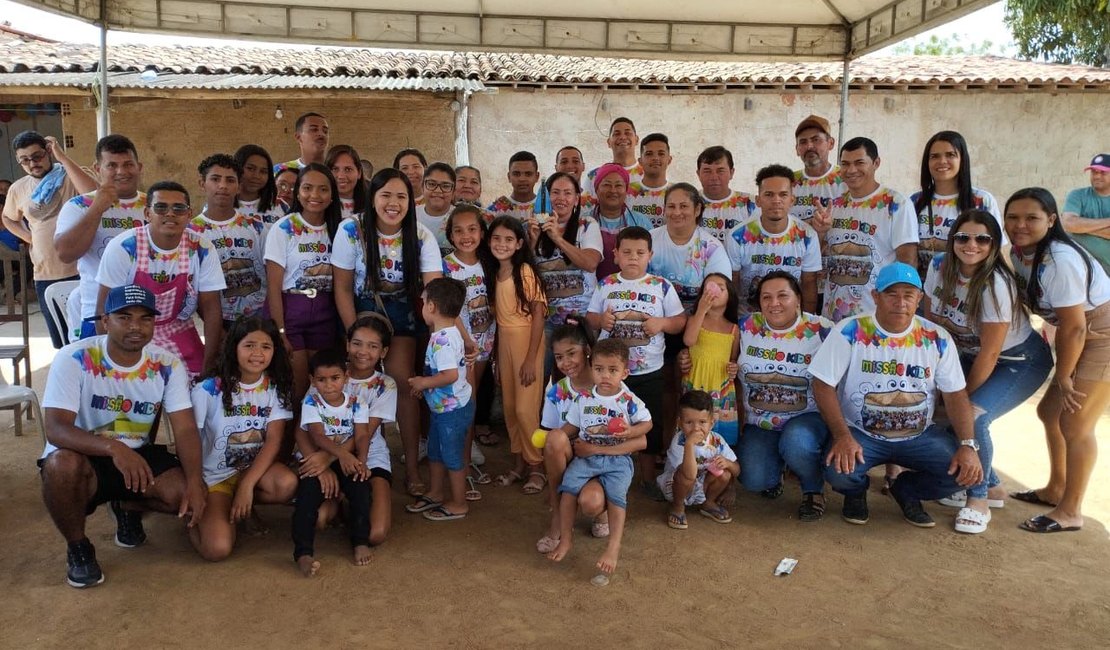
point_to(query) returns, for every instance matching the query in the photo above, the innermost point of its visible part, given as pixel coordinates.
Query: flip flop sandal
(507, 479)
(472, 493)
(719, 515)
(421, 504)
(439, 513)
(677, 521)
(535, 487)
(971, 521)
(599, 529)
(1031, 496)
(1043, 524)
(480, 477)
(546, 544)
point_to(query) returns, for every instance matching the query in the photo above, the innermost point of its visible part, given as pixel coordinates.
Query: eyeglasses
(178, 209)
(33, 158)
(982, 239)
(446, 186)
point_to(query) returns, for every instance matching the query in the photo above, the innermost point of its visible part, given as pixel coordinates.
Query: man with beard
(32, 207)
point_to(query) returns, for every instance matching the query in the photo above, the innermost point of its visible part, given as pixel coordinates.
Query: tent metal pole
(103, 123)
(845, 78)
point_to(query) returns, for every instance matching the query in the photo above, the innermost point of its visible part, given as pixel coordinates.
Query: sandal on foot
(1031, 496)
(971, 521)
(1043, 524)
(677, 521)
(718, 514)
(480, 477)
(959, 500)
(546, 544)
(599, 529)
(421, 504)
(507, 479)
(535, 487)
(440, 513)
(772, 492)
(472, 493)
(812, 508)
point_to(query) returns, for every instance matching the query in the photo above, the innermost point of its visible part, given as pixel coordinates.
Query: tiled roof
(537, 69)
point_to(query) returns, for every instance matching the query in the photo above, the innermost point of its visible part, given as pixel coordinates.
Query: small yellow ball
(539, 438)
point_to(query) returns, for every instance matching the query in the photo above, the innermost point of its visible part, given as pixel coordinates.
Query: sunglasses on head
(982, 239)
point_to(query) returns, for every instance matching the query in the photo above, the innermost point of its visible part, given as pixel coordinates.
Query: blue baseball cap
(130, 295)
(897, 273)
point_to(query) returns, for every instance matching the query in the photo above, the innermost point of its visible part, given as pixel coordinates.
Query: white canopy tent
(704, 30)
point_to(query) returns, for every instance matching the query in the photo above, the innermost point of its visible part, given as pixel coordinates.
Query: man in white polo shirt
(877, 376)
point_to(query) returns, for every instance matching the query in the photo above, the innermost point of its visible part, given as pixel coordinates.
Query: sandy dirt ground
(480, 583)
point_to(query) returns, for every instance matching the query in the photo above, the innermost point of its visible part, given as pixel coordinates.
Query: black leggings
(309, 498)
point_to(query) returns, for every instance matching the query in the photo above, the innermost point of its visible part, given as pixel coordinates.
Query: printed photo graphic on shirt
(895, 413)
(849, 263)
(242, 448)
(123, 427)
(776, 392)
(241, 277)
(965, 337)
(629, 327)
(480, 318)
(315, 272)
(559, 279)
(600, 422)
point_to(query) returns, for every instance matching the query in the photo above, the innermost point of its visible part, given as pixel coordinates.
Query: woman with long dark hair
(345, 166)
(1062, 285)
(257, 187)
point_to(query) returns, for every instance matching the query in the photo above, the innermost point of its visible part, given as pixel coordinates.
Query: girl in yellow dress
(714, 341)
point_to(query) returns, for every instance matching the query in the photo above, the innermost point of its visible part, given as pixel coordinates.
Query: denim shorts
(404, 317)
(613, 472)
(447, 436)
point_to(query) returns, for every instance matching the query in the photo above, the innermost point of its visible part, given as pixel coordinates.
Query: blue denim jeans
(799, 446)
(1017, 375)
(447, 436)
(928, 455)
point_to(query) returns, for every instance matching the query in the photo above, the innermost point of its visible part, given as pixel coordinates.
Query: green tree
(1069, 31)
(946, 45)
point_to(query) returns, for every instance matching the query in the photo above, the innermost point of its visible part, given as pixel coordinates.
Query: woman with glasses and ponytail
(972, 293)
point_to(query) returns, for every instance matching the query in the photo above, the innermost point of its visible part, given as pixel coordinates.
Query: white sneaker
(476, 455)
(971, 521)
(959, 500)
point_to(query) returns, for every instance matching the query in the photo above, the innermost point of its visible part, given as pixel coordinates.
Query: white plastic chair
(57, 299)
(15, 397)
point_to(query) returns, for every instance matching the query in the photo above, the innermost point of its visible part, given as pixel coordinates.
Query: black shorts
(109, 480)
(649, 388)
(379, 472)
(672, 345)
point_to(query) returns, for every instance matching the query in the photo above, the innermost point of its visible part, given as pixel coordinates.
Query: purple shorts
(310, 323)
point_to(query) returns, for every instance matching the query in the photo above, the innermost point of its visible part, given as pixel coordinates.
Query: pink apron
(176, 335)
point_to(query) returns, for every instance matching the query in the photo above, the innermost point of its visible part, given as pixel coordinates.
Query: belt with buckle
(309, 293)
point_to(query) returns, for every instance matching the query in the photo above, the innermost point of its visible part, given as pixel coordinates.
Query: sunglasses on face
(32, 159)
(178, 209)
(964, 238)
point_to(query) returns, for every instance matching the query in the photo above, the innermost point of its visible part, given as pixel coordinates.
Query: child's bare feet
(728, 497)
(560, 551)
(308, 565)
(362, 555)
(607, 563)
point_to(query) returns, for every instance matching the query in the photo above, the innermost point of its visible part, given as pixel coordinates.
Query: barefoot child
(448, 395)
(609, 425)
(700, 464)
(336, 425)
(367, 344)
(571, 344)
(241, 408)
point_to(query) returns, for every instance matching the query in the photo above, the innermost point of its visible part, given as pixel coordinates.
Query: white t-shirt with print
(887, 382)
(347, 208)
(303, 250)
(239, 243)
(864, 236)
(934, 221)
(350, 254)
(445, 352)
(633, 302)
(232, 439)
(810, 191)
(378, 395)
(996, 306)
(110, 400)
(506, 206)
(268, 217)
(685, 266)
(123, 215)
(438, 226)
(721, 217)
(339, 421)
(592, 413)
(774, 378)
(557, 400)
(648, 202)
(569, 288)
(755, 252)
(476, 314)
(713, 445)
(1063, 280)
(118, 265)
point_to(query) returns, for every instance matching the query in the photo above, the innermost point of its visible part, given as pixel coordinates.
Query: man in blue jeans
(876, 381)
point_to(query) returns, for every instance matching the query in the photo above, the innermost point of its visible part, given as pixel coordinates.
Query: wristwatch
(970, 442)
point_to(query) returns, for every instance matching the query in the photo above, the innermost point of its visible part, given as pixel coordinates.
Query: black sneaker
(82, 569)
(912, 509)
(773, 492)
(855, 509)
(129, 526)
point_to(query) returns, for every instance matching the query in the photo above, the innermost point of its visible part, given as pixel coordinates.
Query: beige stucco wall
(1015, 139)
